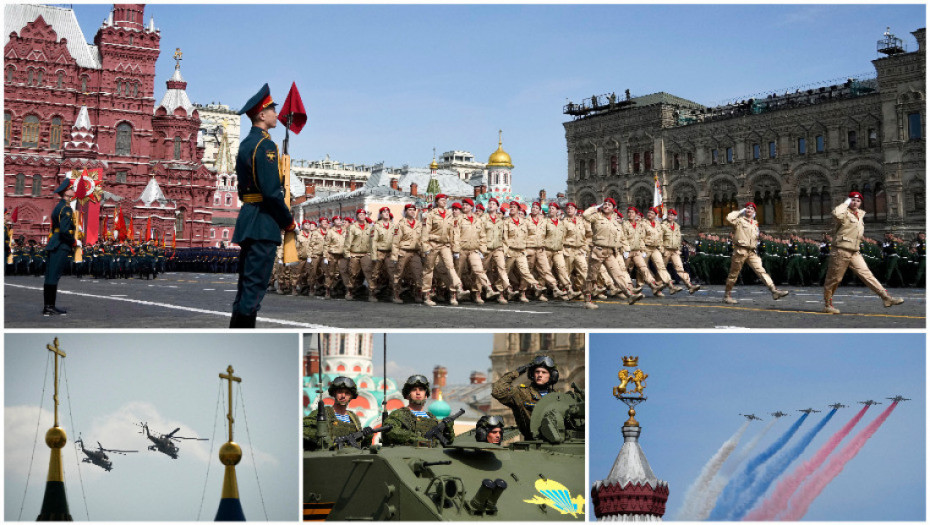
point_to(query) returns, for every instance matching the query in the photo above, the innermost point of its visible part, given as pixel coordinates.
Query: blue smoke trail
(775, 469)
(746, 477)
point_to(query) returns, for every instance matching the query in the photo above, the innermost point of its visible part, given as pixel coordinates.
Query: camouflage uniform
(520, 400)
(409, 429)
(337, 428)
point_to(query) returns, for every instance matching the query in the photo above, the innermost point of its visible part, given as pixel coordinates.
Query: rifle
(354, 439)
(438, 431)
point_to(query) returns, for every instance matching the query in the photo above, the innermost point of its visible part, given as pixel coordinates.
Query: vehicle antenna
(321, 427)
(384, 413)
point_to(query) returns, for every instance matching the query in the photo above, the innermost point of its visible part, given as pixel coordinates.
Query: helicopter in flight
(164, 442)
(99, 457)
(779, 414)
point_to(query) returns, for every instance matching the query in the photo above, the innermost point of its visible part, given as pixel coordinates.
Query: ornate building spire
(83, 143)
(230, 508)
(55, 502)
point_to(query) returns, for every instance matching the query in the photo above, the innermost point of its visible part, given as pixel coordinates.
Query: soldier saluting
(542, 374)
(59, 246)
(264, 213)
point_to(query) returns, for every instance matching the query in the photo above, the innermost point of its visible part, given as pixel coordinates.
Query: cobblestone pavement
(190, 300)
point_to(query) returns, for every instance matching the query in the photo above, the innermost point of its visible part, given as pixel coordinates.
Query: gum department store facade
(795, 155)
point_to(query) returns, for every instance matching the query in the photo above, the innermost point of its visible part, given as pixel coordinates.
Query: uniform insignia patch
(270, 156)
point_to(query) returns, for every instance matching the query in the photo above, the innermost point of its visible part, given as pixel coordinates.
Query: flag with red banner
(293, 110)
(148, 229)
(14, 215)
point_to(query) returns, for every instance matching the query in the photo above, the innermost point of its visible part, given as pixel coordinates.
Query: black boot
(248, 321)
(51, 292)
(234, 320)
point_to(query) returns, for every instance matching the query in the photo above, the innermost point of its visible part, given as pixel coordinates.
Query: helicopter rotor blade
(195, 439)
(172, 432)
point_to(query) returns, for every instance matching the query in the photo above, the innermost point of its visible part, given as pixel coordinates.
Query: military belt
(252, 198)
(55, 230)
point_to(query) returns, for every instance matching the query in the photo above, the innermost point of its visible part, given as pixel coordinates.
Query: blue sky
(388, 82)
(699, 384)
(168, 380)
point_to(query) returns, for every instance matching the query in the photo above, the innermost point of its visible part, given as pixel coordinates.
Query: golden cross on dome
(230, 377)
(500, 137)
(58, 352)
(177, 58)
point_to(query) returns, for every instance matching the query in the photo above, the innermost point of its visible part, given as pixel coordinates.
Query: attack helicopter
(99, 457)
(163, 442)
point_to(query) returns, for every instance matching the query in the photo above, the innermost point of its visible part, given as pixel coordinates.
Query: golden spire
(432, 165)
(500, 157)
(56, 438)
(230, 452)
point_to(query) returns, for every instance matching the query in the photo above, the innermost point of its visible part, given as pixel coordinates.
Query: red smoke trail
(808, 493)
(778, 501)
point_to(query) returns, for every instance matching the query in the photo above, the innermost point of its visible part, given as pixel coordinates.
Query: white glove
(455, 255)
(325, 260)
(78, 244)
(308, 260)
(280, 261)
(481, 255)
(742, 211)
(848, 201)
(426, 253)
(626, 255)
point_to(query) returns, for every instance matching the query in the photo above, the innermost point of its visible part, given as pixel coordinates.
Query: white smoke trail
(715, 487)
(697, 491)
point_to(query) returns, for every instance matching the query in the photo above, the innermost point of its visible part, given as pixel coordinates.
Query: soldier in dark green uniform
(412, 422)
(542, 374)
(891, 260)
(263, 214)
(59, 246)
(920, 253)
(340, 421)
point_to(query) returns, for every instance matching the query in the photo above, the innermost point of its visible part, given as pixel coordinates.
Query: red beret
(368, 220)
(408, 206)
(349, 220)
(469, 202)
(441, 196)
(306, 221)
(456, 205)
(513, 203)
(671, 211)
(361, 210)
(479, 206)
(620, 214)
(856, 194)
(495, 201)
(572, 204)
(324, 219)
(312, 223)
(522, 207)
(391, 215)
(655, 210)
(385, 208)
(554, 205)
(639, 213)
(537, 204)
(611, 201)
(751, 205)
(336, 217)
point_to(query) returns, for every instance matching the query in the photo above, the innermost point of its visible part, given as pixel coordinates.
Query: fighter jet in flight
(837, 406)
(898, 398)
(808, 410)
(750, 417)
(778, 414)
(869, 402)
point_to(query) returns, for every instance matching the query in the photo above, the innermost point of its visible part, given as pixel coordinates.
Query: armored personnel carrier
(534, 479)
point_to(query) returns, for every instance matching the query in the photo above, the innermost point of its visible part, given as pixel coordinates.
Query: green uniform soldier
(489, 429)
(411, 423)
(340, 421)
(542, 375)
(59, 246)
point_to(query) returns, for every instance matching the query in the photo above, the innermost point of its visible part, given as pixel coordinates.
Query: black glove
(522, 369)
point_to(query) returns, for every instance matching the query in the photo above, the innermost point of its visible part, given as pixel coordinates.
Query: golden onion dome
(433, 165)
(500, 157)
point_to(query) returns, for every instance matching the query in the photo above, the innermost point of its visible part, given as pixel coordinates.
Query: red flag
(15, 214)
(294, 107)
(148, 228)
(82, 186)
(132, 232)
(121, 224)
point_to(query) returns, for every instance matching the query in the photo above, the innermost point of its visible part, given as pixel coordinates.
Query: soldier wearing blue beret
(263, 214)
(59, 246)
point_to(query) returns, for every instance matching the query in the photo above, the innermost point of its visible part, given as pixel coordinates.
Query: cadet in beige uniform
(471, 245)
(382, 238)
(745, 238)
(553, 247)
(536, 258)
(575, 246)
(652, 243)
(495, 262)
(334, 252)
(515, 236)
(604, 239)
(632, 229)
(847, 237)
(405, 251)
(436, 239)
(358, 253)
(671, 245)
(316, 270)
(299, 275)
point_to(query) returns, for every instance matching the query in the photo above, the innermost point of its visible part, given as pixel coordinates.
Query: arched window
(591, 167)
(228, 199)
(135, 89)
(724, 201)
(54, 140)
(10, 71)
(526, 341)
(123, 139)
(61, 79)
(84, 84)
(636, 162)
(642, 199)
(685, 205)
(31, 132)
(36, 185)
(647, 160)
(881, 203)
(29, 76)
(7, 128)
(177, 148)
(767, 196)
(213, 233)
(39, 78)
(613, 164)
(179, 222)
(814, 202)
(216, 199)
(225, 233)
(20, 186)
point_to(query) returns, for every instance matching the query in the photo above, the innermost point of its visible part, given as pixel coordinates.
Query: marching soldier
(577, 237)
(542, 374)
(300, 273)
(436, 243)
(652, 237)
(745, 238)
(633, 232)
(495, 262)
(334, 254)
(316, 270)
(515, 239)
(471, 246)
(59, 246)
(605, 237)
(411, 423)
(671, 245)
(848, 232)
(536, 258)
(340, 421)
(405, 252)
(358, 253)
(553, 247)
(382, 239)
(263, 214)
